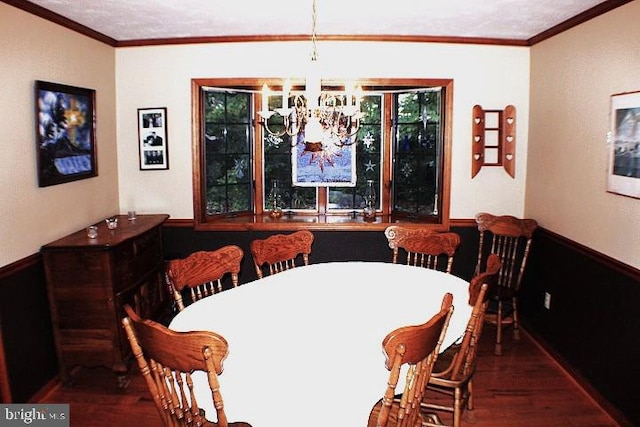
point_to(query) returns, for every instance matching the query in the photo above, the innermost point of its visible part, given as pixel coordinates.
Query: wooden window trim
(260, 221)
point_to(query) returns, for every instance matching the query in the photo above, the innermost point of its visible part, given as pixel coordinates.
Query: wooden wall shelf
(494, 139)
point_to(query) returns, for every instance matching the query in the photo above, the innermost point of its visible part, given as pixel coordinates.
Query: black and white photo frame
(152, 138)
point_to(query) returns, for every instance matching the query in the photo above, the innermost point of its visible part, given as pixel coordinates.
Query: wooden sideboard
(89, 281)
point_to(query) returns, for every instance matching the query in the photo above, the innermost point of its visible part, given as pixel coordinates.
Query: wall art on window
(66, 141)
(323, 164)
(152, 138)
(624, 148)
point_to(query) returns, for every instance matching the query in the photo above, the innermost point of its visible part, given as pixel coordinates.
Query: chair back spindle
(280, 251)
(201, 274)
(423, 247)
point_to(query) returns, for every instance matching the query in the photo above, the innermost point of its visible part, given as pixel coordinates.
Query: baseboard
(46, 390)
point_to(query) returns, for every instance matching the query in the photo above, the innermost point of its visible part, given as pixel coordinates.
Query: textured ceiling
(124, 20)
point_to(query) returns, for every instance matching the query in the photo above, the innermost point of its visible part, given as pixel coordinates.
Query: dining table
(305, 345)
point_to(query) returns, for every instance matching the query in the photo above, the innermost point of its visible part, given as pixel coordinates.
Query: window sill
(311, 222)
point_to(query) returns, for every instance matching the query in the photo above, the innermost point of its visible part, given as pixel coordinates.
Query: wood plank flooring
(522, 388)
(525, 387)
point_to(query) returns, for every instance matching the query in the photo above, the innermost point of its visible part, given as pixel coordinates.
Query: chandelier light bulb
(313, 131)
(265, 97)
(286, 88)
(313, 86)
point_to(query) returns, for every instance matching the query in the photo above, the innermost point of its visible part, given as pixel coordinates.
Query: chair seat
(491, 315)
(504, 294)
(423, 419)
(234, 424)
(492, 319)
(445, 358)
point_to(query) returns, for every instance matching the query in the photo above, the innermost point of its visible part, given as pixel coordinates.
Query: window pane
(227, 137)
(368, 158)
(417, 151)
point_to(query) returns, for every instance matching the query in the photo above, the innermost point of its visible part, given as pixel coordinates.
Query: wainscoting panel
(592, 327)
(27, 336)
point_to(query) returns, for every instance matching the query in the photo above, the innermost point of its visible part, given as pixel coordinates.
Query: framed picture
(152, 138)
(623, 176)
(66, 140)
(323, 164)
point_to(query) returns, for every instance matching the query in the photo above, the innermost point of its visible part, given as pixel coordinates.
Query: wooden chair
(280, 251)
(418, 348)
(202, 273)
(167, 359)
(423, 247)
(510, 238)
(454, 370)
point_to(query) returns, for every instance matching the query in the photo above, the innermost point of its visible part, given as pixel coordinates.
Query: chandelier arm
(265, 125)
(354, 130)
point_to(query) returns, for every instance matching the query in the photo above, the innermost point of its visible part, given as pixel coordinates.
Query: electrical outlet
(547, 300)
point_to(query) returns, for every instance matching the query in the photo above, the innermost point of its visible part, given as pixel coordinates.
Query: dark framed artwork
(152, 138)
(623, 175)
(66, 139)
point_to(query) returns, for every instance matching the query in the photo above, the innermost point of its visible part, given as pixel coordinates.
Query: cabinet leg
(122, 381)
(122, 378)
(66, 377)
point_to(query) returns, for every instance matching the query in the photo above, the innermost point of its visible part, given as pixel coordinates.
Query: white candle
(358, 96)
(286, 87)
(265, 97)
(349, 91)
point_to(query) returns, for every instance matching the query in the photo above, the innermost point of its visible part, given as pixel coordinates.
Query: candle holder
(369, 210)
(274, 201)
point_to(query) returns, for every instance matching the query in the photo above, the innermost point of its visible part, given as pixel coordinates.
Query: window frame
(260, 220)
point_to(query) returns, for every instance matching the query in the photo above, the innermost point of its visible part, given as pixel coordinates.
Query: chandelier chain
(314, 36)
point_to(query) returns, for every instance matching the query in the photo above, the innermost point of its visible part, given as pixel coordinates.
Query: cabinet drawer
(84, 308)
(136, 258)
(72, 269)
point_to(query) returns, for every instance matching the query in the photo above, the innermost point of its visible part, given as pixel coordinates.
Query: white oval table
(305, 345)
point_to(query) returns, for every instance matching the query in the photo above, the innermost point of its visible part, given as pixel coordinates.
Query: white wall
(573, 76)
(126, 79)
(160, 76)
(34, 49)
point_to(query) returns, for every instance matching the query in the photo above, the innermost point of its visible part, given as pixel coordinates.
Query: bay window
(402, 145)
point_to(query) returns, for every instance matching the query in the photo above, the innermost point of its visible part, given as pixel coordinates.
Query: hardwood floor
(522, 388)
(526, 388)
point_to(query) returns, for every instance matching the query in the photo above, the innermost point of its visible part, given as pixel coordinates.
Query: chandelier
(321, 116)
